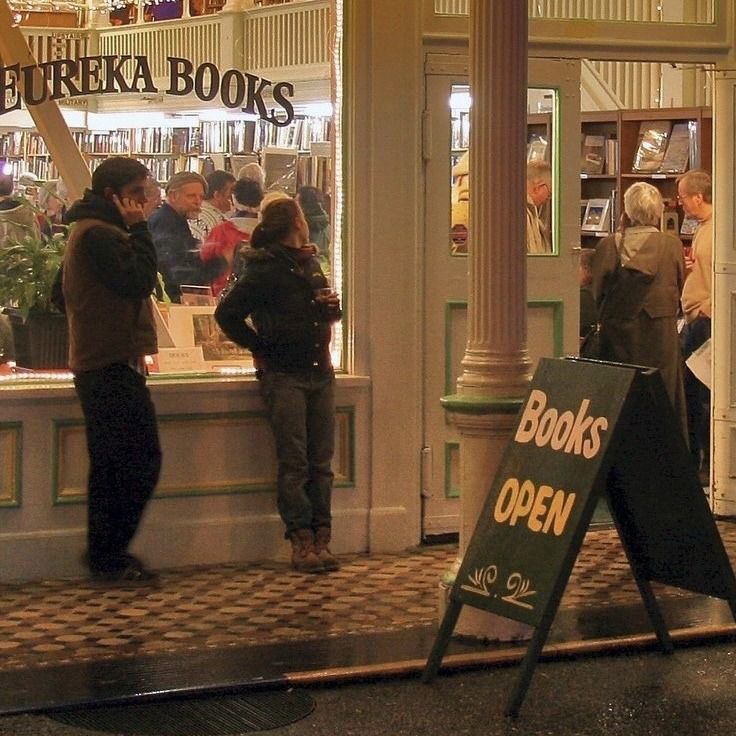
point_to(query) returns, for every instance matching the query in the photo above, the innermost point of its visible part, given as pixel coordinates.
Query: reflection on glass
(641, 11)
(539, 178)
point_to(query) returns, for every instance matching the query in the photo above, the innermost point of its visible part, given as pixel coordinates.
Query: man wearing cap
(176, 247)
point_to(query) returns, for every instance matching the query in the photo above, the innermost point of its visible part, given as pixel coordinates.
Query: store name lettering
(93, 75)
(579, 434)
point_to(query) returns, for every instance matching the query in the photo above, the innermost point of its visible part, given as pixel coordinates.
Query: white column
(496, 364)
(723, 401)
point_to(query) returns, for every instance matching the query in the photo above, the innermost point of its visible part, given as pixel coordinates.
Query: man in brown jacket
(108, 275)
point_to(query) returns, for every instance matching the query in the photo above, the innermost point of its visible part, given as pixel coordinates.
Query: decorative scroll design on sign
(481, 580)
(519, 587)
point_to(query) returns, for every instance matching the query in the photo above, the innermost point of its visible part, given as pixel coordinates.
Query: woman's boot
(303, 556)
(321, 541)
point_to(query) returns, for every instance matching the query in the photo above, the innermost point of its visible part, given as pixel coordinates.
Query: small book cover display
(596, 215)
(536, 149)
(593, 154)
(689, 226)
(670, 222)
(678, 151)
(651, 146)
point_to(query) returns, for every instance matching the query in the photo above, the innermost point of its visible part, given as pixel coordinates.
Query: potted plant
(29, 262)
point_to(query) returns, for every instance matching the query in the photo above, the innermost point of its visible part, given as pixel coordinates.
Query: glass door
(553, 153)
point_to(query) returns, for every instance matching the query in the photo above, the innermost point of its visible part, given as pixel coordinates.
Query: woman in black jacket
(291, 307)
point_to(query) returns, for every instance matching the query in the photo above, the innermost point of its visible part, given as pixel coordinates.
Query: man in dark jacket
(108, 274)
(176, 247)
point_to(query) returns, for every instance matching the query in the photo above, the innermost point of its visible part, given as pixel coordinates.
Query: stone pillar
(496, 364)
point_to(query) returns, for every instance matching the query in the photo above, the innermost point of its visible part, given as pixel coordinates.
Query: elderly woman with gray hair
(638, 275)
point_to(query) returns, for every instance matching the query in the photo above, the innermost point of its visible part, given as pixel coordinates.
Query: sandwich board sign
(587, 428)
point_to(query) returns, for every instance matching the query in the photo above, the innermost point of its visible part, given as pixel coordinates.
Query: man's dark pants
(124, 456)
(697, 395)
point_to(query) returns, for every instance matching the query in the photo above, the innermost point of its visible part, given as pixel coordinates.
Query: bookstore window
(299, 158)
(292, 157)
(540, 198)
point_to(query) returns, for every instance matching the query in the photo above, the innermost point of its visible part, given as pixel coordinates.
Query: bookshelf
(599, 139)
(221, 144)
(622, 132)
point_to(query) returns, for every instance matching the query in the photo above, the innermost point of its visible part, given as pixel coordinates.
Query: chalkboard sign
(587, 428)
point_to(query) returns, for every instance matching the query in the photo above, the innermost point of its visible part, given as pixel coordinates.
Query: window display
(292, 150)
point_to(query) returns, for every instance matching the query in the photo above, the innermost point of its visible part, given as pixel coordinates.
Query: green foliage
(28, 267)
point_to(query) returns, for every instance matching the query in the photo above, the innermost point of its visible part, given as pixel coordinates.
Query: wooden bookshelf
(167, 150)
(624, 126)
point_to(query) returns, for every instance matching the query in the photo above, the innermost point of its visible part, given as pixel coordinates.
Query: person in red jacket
(226, 239)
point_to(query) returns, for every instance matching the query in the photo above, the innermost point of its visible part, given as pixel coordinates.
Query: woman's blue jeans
(301, 410)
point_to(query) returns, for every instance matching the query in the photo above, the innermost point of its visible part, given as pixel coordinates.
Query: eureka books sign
(113, 74)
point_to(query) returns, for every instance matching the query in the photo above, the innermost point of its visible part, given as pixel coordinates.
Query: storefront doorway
(552, 287)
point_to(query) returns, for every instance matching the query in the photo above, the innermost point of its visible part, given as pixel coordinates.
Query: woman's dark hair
(116, 173)
(278, 219)
(310, 198)
(247, 192)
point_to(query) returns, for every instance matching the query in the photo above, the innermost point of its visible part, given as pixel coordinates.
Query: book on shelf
(280, 167)
(242, 136)
(613, 210)
(670, 222)
(694, 155)
(218, 160)
(238, 160)
(611, 156)
(583, 208)
(651, 146)
(592, 154)
(677, 154)
(536, 149)
(597, 215)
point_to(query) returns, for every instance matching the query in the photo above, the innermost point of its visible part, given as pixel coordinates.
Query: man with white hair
(538, 192)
